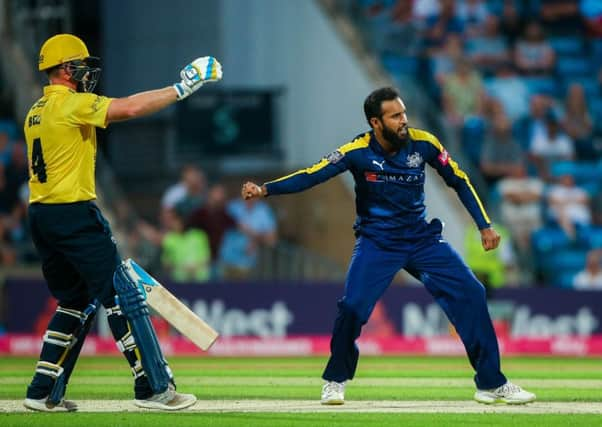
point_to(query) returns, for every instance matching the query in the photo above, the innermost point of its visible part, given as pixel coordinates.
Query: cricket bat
(172, 309)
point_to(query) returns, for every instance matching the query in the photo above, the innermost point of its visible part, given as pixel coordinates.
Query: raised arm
(140, 104)
(330, 166)
(194, 75)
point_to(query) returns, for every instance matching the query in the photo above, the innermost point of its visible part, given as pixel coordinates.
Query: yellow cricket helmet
(60, 49)
(71, 50)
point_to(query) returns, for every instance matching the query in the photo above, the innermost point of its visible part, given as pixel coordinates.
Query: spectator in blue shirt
(256, 228)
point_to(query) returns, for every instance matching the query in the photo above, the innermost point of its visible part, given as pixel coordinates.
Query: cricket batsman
(80, 260)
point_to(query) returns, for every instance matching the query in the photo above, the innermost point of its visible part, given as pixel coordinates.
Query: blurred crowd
(15, 243)
(201, 234)
(519, 88)
(518, 85)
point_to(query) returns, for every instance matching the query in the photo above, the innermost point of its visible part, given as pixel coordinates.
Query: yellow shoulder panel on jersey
(357, 143)
(421, 135)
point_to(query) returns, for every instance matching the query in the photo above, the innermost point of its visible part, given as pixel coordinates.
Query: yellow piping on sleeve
(421, 135)
(359, 142)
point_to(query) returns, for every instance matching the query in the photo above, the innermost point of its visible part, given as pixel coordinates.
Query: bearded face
(396, 136)
(392, 124)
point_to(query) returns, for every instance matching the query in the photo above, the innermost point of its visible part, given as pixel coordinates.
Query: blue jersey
(389, 188)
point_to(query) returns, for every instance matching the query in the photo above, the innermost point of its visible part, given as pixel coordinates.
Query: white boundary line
(317, 382)
(312, 406)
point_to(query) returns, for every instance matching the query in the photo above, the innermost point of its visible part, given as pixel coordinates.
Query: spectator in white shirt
(591, 277)
(550, 143)
(187, 194)
(569, 205)
(521, 205)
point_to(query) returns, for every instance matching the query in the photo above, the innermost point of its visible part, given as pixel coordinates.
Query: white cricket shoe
(333, 393)
(43, 405)
(169, 400)
(508, 393)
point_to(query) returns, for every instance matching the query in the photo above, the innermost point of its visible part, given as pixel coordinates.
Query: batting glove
(198, 72)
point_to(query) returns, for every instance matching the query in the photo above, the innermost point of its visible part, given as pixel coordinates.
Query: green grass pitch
(276, 382)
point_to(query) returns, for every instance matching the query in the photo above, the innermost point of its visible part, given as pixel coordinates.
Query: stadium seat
(565, 280)
(558, 263)
(596, 51)
(563, 167)
(583, 172)
(396, 64)
(548, 239)
(521, 130)
(567, 66)
(372, 3)
(595, 109)
(592, 237)
(566, 45)
(472, 135)
(9, 127)
(542, 85)
(590, 85)
(592, 187)
(595, 106)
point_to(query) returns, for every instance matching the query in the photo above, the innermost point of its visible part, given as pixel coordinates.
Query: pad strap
(115, 310)
(137, 369)
(59, 338)
(126, 343)
(73, 348)
(133, 305)
(50, 369)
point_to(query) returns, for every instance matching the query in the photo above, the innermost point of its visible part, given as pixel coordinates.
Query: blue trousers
(455, 288)
(79, 258)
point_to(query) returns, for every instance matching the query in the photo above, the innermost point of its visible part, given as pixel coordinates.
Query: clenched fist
(250, 190)
(200, 71)
(490, 239)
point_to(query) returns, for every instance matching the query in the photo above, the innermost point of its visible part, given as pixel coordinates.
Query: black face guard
(85, 72)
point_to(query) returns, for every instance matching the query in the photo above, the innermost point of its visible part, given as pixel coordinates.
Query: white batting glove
(196, 74)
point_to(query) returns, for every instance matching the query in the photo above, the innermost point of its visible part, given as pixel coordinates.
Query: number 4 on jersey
(38, 166)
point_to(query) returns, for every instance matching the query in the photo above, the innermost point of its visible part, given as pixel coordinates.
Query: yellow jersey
(60, 131)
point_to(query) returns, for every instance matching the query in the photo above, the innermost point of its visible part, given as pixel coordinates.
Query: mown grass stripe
(120, 369)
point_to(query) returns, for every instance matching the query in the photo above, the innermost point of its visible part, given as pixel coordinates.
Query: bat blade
(172, 309)
(180, 317)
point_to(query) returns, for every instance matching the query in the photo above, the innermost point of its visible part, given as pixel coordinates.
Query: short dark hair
(373, 102)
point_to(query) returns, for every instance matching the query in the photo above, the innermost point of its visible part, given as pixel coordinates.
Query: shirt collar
(56, 89)
(375, 145)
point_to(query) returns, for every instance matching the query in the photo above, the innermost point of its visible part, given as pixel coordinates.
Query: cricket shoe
(169, 400)
(333, 393)
(508, 393)
(43, 405)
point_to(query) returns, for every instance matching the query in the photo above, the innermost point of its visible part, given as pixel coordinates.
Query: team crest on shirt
(444, 158)
(334, 157)
(414, 160)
